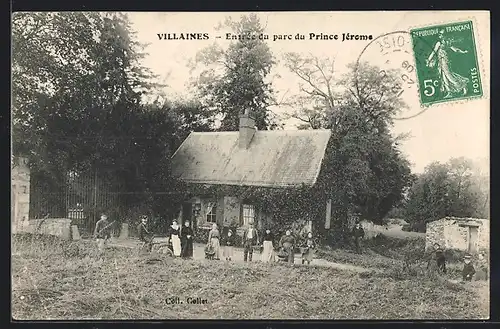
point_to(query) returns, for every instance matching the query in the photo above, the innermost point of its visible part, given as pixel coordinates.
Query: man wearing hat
(250, 239)
(144, 234)
(440, 258)
(102, 232)
(468, 271)
(358, 234)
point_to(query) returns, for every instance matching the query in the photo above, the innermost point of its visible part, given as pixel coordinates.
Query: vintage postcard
(253, 165)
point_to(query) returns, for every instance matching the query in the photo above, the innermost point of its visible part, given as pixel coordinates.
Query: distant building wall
(453, 233)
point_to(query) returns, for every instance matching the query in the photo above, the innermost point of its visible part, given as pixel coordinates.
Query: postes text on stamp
(449, 69)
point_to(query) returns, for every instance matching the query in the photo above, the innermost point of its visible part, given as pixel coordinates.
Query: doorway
(473, 233)
(187, 211)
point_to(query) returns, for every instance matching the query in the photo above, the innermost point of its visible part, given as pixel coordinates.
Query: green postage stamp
(447, 63)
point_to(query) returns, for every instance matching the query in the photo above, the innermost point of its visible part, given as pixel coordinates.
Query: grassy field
(54, 281)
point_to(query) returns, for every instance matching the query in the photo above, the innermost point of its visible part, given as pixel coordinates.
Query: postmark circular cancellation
(392, 53)
(433, 64)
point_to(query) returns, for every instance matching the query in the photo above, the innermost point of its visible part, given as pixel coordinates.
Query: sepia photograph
(250, 165)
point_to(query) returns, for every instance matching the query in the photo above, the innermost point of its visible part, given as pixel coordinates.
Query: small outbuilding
(467, 234)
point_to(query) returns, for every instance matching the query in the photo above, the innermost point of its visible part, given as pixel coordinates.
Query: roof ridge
(278, 158)
(311, 131)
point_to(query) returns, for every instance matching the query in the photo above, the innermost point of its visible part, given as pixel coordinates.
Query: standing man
(358, 234)
(144, 234)
(102, 233)
(440, 258)
(250, 239)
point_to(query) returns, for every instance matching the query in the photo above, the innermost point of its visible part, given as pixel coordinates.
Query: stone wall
(60, 227)
(455, 236)
(451, 235)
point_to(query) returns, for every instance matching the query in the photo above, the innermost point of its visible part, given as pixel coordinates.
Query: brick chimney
(247, 129)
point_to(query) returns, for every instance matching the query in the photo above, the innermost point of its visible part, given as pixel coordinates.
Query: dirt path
(198, 254)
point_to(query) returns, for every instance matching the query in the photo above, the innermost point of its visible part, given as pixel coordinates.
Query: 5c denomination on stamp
(449, 71)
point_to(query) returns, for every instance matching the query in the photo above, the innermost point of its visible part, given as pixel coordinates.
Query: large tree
(364, 172)
(236, 79)
(73, 75)
(78, 87)
(454, 188)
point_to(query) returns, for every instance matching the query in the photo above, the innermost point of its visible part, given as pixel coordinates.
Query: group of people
(180, 238)
(221, 246)
(468, 270)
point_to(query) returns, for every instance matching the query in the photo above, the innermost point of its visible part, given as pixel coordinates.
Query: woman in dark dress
(187, 241)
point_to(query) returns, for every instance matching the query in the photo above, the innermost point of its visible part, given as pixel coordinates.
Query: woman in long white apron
(174, 238)
(214, 240)
(268, 248)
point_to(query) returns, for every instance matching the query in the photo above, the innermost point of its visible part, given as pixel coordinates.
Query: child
(468, 271)
(308, 251)
(228, 245)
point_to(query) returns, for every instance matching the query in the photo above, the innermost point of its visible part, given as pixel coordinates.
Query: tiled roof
(277, 158)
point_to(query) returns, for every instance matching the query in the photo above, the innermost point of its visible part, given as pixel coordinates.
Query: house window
(196, 209)
(211, 212)
(248, 215)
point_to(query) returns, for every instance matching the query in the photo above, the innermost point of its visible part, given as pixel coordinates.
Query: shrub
(420, 227)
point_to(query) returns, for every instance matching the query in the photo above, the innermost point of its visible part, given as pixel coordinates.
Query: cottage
(20, 192)
(468, 234)
(249, 158)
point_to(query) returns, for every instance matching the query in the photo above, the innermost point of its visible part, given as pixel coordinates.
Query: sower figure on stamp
(250, 239)
(451, 82)
(358, 233)
(102, 233)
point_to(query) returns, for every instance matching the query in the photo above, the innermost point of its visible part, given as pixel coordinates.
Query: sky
(441, 132)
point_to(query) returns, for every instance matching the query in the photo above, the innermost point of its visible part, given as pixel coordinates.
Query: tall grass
(54, 279)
